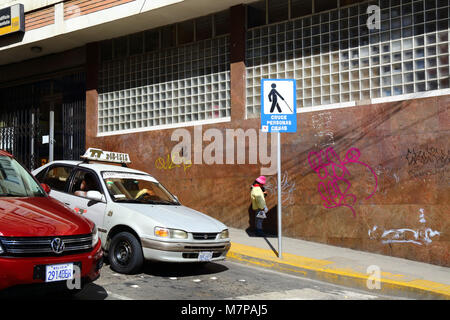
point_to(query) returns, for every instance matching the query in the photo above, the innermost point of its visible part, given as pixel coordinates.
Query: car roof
(98, 167)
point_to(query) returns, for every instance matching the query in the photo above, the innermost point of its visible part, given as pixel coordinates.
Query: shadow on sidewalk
(251, 233)
(270, 227)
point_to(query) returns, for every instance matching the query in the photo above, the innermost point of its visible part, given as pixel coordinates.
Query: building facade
(177, 85)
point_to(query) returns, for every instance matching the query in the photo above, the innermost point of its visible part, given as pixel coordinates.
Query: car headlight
(94, 236)
(1, 248)
(224, 234)
(170, 233)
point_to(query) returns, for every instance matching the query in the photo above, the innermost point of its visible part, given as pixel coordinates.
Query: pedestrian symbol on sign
(273, 97)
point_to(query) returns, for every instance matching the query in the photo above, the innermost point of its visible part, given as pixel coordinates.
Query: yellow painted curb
(325, 270)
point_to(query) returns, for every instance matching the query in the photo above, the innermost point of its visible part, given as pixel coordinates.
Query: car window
(15, 181)
(57, 177)
(84, 181)
(40, 176)
(137, 188)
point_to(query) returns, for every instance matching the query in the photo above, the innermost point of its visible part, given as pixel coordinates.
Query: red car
(42, 242)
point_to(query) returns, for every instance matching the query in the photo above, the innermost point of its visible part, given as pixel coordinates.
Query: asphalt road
(225, 280)
(222, 280)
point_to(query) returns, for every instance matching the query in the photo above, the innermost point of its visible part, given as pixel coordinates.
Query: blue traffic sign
(279, 105)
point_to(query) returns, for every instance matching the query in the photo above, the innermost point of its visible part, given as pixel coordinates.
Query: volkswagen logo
(57, 245)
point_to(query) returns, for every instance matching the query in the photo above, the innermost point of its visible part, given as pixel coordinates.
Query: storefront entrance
(44, 121)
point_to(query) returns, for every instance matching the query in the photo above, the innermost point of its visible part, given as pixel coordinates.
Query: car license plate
(58, 272)
(205, 256)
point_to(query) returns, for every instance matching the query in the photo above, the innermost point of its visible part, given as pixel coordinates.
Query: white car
(137, 218)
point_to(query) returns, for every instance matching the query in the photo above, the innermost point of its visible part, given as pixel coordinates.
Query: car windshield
(15, 181)
(137, 188)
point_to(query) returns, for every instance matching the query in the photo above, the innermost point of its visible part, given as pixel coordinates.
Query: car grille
(204, 236)
(41, 246)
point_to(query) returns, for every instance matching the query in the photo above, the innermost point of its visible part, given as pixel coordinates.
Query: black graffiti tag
(428, 155)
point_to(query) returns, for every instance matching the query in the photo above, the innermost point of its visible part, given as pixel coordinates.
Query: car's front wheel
(125, 253)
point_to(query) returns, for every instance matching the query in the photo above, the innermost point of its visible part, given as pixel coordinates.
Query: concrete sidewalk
(342, 266)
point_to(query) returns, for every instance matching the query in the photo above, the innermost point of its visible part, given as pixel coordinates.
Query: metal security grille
(18, 135)
(74, 117)
(24, 118)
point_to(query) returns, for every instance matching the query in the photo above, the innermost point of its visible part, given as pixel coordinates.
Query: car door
(91, 209)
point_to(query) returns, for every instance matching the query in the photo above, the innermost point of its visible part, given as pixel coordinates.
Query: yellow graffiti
(173, 161)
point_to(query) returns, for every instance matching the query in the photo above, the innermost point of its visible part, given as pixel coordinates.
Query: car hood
(177, 217)
(39, 217)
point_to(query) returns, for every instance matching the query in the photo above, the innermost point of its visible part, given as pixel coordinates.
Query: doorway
(45, 120)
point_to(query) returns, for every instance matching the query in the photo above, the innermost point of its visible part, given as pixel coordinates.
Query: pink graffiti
(334, 192)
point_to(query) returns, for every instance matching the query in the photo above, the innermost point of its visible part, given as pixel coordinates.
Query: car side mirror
(46, 187)
(94, 196)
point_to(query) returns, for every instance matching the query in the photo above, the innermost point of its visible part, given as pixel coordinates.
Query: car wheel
(125, 253)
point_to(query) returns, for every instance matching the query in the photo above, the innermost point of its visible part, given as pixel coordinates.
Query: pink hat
(261, 179)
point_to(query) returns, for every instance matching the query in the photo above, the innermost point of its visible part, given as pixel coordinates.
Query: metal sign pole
(280, 255)
(275, 120)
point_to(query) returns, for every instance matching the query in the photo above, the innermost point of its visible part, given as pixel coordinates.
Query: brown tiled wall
(72, 9)
(237, 67)
(405, 143)
(40, 18)
(75, 8)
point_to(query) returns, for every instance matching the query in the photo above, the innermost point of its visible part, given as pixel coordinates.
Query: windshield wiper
(147, 201)
(130, 201)
(164, 202)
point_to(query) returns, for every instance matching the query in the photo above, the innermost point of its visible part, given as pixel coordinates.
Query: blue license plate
(205, 256)
(59, 272)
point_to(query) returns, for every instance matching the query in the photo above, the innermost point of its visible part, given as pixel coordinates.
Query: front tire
(125, 253)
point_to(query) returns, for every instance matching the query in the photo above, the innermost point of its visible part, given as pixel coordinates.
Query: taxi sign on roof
(106, 156)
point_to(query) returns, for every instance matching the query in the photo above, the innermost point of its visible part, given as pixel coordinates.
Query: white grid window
(335, 58)
(171, 86)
